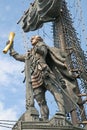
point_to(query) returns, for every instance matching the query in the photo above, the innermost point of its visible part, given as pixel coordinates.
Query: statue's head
(36, 39)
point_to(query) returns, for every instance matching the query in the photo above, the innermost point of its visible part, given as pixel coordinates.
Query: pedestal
(58, 122)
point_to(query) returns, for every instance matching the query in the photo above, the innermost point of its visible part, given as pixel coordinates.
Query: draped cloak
(56, 60)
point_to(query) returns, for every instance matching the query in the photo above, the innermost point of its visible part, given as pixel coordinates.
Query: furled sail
(39, 12)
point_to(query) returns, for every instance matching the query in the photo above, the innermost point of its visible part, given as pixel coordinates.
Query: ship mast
(65, 37)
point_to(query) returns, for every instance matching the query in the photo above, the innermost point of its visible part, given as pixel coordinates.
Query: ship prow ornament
(60, 61)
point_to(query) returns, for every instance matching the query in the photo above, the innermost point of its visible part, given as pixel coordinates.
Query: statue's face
(34, 40)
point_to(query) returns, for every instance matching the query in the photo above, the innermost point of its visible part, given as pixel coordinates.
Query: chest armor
(38, 59)
(37, 65)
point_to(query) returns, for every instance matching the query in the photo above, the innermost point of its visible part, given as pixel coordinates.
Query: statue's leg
(39, 94)
(74, 117)
(50, 86)
(72, 107)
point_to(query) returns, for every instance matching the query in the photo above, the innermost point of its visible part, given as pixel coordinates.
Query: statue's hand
(39, 50)
(11, 47)
(7, 42)
(11, 44)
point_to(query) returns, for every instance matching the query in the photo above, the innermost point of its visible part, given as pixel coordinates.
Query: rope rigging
(70, 40)
(82, 33)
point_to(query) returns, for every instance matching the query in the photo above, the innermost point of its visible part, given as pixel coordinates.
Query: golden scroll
(11, 37)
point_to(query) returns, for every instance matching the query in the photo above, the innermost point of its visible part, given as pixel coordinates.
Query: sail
(39, 12)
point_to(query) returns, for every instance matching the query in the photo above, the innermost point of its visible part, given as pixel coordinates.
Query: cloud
(7, 114)
(3, 34)
(9, 69)
(8, 8)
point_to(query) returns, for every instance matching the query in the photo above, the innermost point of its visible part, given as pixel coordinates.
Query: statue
(42, 77)
(48, 71)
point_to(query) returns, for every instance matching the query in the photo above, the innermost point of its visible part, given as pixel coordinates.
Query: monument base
(32, 122)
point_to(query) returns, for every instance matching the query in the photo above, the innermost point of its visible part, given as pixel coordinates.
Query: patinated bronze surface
(41, 75)
(45, 69)
(39, 12)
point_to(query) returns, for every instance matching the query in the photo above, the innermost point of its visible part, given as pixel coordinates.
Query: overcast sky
(12, 89)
